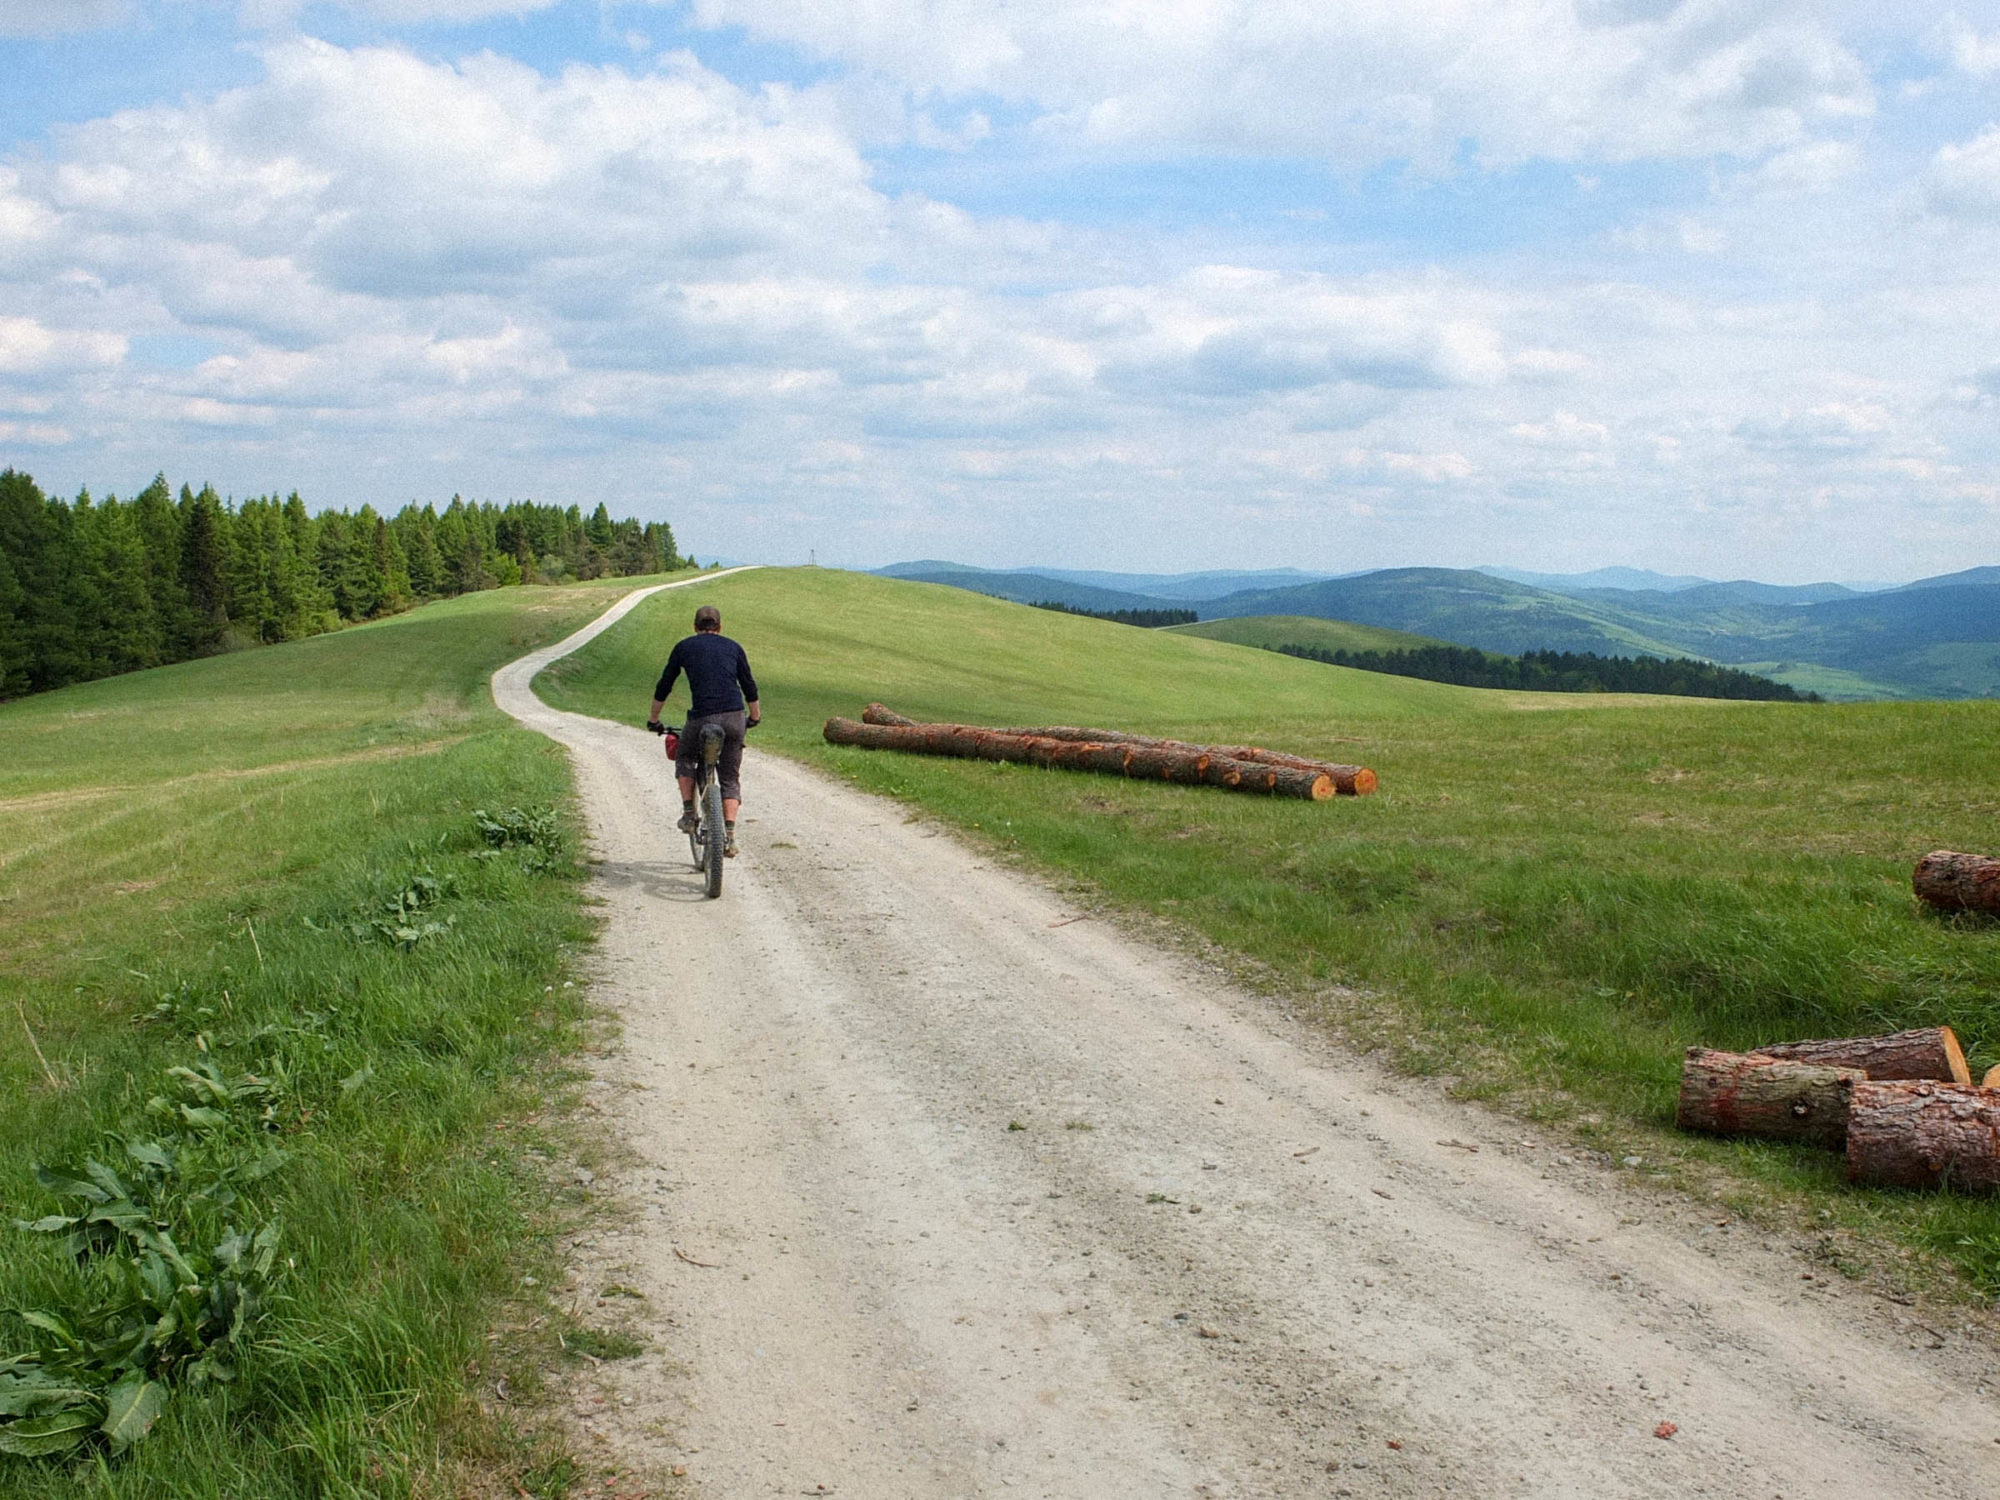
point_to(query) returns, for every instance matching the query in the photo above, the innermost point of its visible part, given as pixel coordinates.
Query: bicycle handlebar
(658, 728)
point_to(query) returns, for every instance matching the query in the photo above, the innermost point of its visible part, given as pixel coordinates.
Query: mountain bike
(710, 834)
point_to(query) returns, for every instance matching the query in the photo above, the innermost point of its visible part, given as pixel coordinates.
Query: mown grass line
(1549, 899)
(221, 903)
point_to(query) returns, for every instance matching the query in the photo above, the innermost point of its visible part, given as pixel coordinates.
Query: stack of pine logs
(1903, 1107)
(1241, 768)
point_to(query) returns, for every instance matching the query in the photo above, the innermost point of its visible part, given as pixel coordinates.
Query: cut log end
(1992, 1078)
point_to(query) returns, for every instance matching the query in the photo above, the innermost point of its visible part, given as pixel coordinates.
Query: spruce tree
(204, 579)
(420, 549)
(391, 567)
(24, 523)
(126, 633)
(159, 528)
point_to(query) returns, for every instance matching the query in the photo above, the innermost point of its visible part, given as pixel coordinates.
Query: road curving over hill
(937, 1189)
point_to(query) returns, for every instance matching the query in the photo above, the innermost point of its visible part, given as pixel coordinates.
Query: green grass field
(1829, 682)
(193, 861)
(1273, 631)
(1550, 897)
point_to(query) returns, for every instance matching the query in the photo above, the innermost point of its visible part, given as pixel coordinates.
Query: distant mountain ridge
(1933, 638)
(1151, 586)
(1601, 578)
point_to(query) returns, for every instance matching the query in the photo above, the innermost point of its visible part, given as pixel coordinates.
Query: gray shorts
(729, 770)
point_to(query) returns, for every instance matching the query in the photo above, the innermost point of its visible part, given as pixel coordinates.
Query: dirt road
(941, 1193)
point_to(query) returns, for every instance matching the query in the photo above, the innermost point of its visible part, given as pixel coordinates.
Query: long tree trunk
(1958, 882)
(1730, 1093)
(1348, 781)
(1141, 762)
(1915, 1133)
(1927, 1052)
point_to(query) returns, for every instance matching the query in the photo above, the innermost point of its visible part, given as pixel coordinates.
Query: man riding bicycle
(724, 693)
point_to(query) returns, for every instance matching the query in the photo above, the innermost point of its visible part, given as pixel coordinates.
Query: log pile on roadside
(1240, 768)
(1902, 1107)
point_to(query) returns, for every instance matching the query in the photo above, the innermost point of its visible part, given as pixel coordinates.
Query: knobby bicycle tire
(697, 844)
(714, 833)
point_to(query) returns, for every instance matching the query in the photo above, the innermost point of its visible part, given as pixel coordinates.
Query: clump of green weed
(146, 1308)
(407, 916)
(539, 832)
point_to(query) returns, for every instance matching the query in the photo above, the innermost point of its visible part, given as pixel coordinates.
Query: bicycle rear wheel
(713, 833)
(697, 844)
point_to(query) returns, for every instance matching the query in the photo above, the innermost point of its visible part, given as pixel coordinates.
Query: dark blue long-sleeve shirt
(718, 674)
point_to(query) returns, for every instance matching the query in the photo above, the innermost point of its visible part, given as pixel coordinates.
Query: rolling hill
(1272, 631)
(1181, 588)
(1029, 588)
(1935, 638)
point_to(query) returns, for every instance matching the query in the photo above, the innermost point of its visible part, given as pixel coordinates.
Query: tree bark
(1140, 762)
(1927, 1052)
(1958, 882)
(1916, 1133)
(1729, 1093)
(1348, 781)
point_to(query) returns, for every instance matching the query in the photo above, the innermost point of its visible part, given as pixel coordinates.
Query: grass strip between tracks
(1551, 896)
(269, 860)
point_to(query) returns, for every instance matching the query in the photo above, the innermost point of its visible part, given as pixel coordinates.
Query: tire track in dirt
(987, 1201)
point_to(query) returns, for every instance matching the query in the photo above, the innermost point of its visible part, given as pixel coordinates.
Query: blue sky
(1701, 285)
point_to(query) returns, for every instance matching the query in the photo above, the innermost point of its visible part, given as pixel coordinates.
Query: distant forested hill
(90, 588)
(1936, 638)
(1561, 672)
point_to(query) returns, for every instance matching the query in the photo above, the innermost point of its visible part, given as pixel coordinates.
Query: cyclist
(723, 692)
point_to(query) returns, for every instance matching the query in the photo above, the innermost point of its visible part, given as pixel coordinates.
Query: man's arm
(748, 684)
(668, 675)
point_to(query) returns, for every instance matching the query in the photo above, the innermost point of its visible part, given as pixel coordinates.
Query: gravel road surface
(934, 1190)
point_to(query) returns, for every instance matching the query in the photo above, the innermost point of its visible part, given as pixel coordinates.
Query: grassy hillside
(1273, 631)
(210, 862)
(1035, 588)
(1551, 903)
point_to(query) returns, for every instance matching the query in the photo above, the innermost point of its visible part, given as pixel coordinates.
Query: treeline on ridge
(91, 588)
(1561, 672)
(1150, 619)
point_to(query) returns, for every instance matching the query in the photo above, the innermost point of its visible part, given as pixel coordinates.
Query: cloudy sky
(1702, 285)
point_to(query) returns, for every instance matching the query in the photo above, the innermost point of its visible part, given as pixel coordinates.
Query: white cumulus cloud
(1964, 179)
(1358, 81)
(28, 347)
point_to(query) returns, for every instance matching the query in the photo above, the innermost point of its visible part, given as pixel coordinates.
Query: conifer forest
(91, 588)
